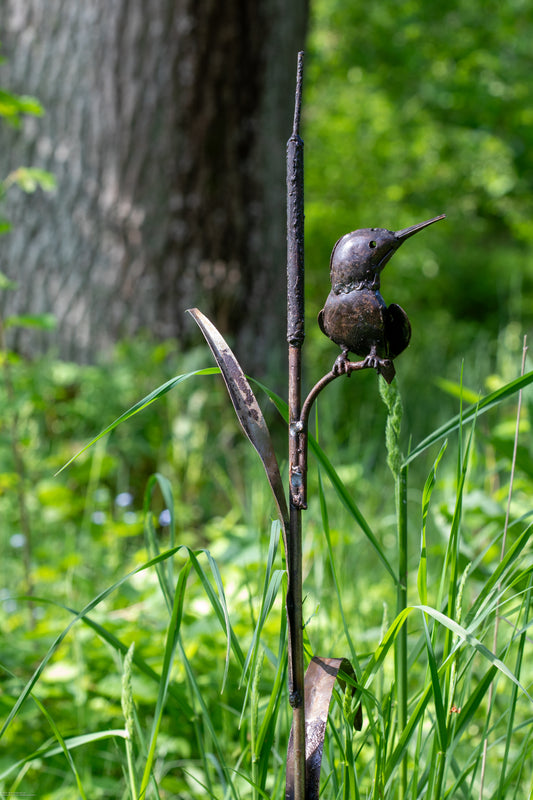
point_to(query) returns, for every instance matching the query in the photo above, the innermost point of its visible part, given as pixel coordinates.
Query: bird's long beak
(407, 232)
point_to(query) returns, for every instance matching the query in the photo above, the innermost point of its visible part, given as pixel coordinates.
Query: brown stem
(300, 428)
(295, 785)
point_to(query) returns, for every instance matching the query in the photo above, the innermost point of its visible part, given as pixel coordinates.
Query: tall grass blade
(271, 586)
(152, 543)
(504, 546)
(228, 785)
(468, 638)
(65, 748)
(129, 717)
(440, 711)
(69, 744)
(392, 761)
(484, 602)
(254, 718)
(450, 571)
(339, 487)
(348, 502)
(218, 603)
(170, 647)
(513, 699)
(219, 606)
(140, 406)
(426, 499)
(485, 404)
(178, 698)
(327, 534)
(64, 633)
(390, 395)
(465, 637)
(267, 729)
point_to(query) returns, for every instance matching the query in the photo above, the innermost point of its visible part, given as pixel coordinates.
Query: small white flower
(124, 499)
(164, 518)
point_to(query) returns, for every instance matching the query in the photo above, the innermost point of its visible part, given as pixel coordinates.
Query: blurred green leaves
(31, 178)
(412, 110)
(13, 107)
(46, 322)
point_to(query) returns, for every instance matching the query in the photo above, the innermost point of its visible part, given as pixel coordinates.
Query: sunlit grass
(153, 662)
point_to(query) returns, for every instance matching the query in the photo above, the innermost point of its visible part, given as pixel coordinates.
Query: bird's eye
(372, 244)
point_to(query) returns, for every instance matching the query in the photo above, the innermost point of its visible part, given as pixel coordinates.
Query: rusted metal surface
(247, 409)
(295, 222)
(295, 280)
(355, 315)
(319, 682)
(356, 318)
(295, 338)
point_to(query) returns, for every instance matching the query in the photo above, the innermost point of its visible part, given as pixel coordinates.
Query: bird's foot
(340, 367)
(372, 361)
(383, 366)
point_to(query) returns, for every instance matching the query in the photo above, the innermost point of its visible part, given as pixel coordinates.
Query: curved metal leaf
(318, 687)
(247, 409)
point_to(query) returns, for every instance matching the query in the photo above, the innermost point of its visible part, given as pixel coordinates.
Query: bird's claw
(383, 366)
(372, 362)
(340, 367)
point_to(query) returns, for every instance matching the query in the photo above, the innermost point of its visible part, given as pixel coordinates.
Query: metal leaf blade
(319, 682)
(246, 407)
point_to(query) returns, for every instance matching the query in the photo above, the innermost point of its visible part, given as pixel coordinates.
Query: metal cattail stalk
(309, 707)
(295, 338)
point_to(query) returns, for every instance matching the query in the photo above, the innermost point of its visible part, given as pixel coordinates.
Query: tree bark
(165, 126)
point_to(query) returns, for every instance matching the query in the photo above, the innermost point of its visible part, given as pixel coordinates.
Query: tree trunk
(165, 126)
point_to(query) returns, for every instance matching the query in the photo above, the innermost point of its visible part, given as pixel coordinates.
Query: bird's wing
(397, 330)
(321, 321)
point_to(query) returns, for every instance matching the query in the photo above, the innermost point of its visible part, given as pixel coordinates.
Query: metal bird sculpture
(355, 315)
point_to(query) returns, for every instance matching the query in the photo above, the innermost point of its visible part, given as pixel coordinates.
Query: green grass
(144, 655)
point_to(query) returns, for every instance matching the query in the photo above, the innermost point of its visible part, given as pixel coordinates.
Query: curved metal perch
(299, 431)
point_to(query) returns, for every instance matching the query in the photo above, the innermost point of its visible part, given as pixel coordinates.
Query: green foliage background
(411, 109)
(414, 109)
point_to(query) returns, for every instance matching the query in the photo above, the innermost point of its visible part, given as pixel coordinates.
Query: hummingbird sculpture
(355, 315)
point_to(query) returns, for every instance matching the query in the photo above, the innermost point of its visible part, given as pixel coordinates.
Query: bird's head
(359, 256)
